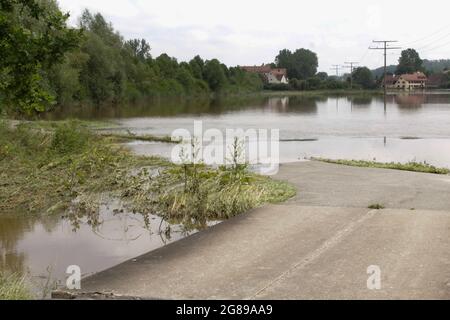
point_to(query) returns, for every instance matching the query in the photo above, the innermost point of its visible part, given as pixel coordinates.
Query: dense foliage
(409, 62)
(45, 166)
(111, 69)
(363, 77)
(300, 64)
(436, 66)
(46, 63)
(33, 38)
(429, 67)
(319, 82)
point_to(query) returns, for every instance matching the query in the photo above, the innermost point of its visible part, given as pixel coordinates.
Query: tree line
(302, 71)
(302, 67)
(47, 64)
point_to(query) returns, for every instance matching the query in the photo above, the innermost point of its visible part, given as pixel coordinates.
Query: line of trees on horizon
(411, 62)
(47, 64)
(302, 66)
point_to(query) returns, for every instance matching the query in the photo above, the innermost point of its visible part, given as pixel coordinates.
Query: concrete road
(323, 184)
(318, 246)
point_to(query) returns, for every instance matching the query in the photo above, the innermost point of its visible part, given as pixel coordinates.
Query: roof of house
(257, 69)
(417, 76)
(390, 79)
(265, 69)
(279, 72)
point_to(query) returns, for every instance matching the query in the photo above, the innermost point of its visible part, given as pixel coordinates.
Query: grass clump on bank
(120, 137)
(12, 287)
(410, 166)
(70, 169)
(376, 206)
(42, 170)
(194, 194)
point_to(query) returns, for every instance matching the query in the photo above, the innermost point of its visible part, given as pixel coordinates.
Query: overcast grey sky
(251, 32)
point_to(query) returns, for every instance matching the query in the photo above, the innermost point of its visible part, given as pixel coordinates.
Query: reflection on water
(44, 248)
(300, 117)
(400, 127)
(350, 127)
(306, 104)
(383, 149)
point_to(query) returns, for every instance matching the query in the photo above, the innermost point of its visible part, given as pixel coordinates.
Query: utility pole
(385, 48)
(350, 65)
(336, 67)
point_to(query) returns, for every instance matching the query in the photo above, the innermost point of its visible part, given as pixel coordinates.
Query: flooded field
(402, 127)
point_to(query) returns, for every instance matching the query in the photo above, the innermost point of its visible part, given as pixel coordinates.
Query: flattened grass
(67, 168)
(13, 287)
(410, 166)
(42, 170)
(132, 137)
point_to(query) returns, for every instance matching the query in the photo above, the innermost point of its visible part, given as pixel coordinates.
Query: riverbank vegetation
(376, 206)
(13, 287)
(410, 166)
(134, 137)
(46, 64)
(68, 168)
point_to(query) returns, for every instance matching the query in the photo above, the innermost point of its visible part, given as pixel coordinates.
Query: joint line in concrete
(327, 245)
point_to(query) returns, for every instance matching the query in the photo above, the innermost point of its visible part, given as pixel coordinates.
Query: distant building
(389, 81)
(269, 75)
(417, 80)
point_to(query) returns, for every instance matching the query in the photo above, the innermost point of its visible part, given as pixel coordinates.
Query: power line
(434, 41)
(336, 67)
(437, 47)
(364, 56)
(350, 65)
(385, 48)
(428, 36)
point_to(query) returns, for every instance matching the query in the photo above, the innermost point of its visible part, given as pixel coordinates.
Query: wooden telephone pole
(336, 67)
(385, 48)
(351, 65)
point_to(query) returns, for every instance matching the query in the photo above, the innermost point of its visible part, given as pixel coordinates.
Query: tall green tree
(322, 76)
(363, 77)
(214, 75)
(197, 66)
(43, 63)
(103, 77)
(139, 49)
(33, 38)
(300, 64)
(168, 66)
(409, 62)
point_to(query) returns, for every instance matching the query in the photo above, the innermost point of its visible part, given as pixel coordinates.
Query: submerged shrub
(66, 168)
(69, 138)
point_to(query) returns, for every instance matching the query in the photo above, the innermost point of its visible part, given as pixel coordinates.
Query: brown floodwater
(402, 127)
(43, 248)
